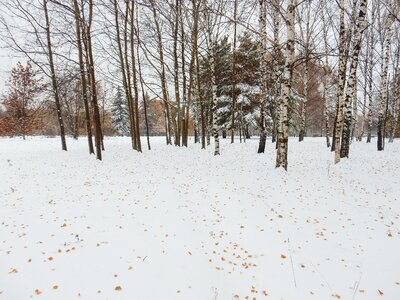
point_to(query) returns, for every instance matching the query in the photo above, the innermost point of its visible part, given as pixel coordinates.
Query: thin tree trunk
(283, 129)
(162, 74)
(123, 70)
(96, 113)
(365, 95)
(304, 101)
(53, 78)
(233, 108)
(354, 127)
(263, 70)
(276, 87)
(371, 56)
(130, 100)
(200, 97)
(134, 79)
(142, 82)
(177, 122)
(384, 87)
(185, 112)
(325, 82)
(192, 67)
(214, 117)
(396, 102)
(84, 89)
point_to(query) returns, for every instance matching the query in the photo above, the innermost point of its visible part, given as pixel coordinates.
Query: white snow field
(176, 223)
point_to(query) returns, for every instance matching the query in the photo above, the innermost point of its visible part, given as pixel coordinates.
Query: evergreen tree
(120, 114)
(247, 83)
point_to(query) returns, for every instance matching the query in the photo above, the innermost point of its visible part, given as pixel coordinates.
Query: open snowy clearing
(182, 224)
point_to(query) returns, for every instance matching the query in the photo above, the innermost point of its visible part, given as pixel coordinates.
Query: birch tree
(384, 84)
(283, 126)
(263, 71)
(211, 45)
(351, 86)
(371, 64)
(341, 84)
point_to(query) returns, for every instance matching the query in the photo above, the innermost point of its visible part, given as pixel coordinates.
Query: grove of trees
(210, 69)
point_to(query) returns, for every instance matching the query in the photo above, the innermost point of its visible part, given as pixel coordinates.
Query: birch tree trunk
(199, 92)
(325, 81)
(283, 126)
(274, 106)
(351, 86)
(214, 116)
(191, 88)
(365, 95)
(304, 101)
(306, 38)
(341, 83)
(354, 127)
(263, 71)
(371, 57)
(326, 116)
(384, 86)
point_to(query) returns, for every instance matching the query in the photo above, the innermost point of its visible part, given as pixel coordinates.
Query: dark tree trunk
(84, 88)
(54, 79)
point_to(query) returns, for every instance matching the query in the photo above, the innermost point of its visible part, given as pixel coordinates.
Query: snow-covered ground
(182, 224)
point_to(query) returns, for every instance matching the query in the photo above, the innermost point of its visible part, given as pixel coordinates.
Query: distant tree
(70, 97)
(21, 101)
(5, 128)
(120, 114)
(248, 86)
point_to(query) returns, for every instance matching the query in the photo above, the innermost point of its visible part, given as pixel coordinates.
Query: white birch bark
(283, 126)
(351, 86)
(325, 82)
(371, 57)
(384, 85)
(263, 70)
(214, 127)
(341, 83)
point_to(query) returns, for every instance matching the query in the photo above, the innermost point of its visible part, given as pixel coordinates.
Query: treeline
(215, 68)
